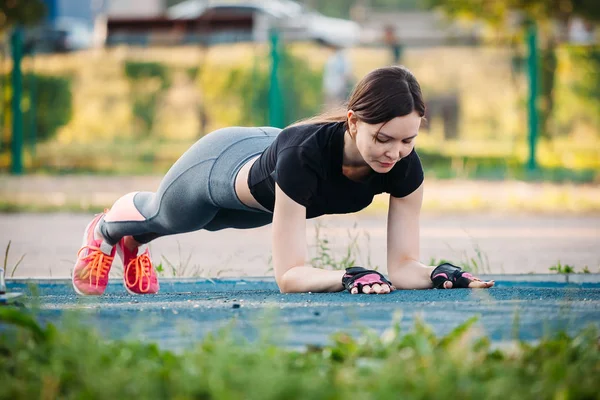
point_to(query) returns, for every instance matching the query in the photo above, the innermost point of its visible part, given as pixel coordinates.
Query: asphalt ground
(186, 310)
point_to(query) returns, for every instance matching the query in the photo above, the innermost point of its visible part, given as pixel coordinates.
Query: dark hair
(382, 95)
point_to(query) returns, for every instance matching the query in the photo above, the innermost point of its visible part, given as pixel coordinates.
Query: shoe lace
(143, 268)
(98, 266)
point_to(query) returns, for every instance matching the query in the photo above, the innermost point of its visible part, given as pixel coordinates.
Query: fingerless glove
(357, 277)
(448, 272)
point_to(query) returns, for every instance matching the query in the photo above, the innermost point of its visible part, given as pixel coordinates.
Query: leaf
(14, 316)
(16, 265)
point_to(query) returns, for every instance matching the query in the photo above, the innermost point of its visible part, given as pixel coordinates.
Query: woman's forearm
(308, 279)
(406, 275)
(410, 274)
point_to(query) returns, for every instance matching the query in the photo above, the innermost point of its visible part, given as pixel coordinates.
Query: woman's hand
(448, 276)
(360, 280)
(476, 283)
(374, 289)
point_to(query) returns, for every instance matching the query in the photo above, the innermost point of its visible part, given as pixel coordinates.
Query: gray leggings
(198, 192)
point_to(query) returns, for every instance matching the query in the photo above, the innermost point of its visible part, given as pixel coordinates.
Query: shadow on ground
(186, 310)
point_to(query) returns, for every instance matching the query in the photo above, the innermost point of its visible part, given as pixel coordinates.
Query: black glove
(448, 272)
(357, 277)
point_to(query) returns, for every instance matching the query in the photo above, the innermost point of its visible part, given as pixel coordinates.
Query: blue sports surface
(185, 310)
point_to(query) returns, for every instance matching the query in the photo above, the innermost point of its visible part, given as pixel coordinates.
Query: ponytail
(335, 115)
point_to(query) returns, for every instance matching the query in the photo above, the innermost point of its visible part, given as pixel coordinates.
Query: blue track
(186, 310)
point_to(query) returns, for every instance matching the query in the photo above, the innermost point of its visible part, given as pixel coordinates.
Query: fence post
(275, 97)
(17, 127)
(32, 121)
(532, 72)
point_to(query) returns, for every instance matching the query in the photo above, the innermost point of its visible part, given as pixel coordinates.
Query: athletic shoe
(94, 259)
(139, 275)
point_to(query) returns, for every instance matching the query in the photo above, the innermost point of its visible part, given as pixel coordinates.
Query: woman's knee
(124, 209)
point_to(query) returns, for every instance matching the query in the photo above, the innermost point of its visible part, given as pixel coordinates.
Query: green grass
(76, 362)
(326, 258)
(5, 264)
(560, 268)
(42, 206)
(477, 263)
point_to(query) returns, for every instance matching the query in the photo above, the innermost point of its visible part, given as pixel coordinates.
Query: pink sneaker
(139, 275)
(94, 259)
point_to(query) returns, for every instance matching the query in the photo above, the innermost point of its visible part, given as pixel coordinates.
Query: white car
(80, 35)
(64, 35)
(293, 20)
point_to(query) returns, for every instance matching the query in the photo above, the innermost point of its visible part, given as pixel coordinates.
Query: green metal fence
(482, 122)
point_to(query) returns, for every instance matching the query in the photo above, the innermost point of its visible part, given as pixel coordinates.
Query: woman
(249, 177)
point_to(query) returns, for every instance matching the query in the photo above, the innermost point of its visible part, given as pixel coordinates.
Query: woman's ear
(352, 122)
(351, 116)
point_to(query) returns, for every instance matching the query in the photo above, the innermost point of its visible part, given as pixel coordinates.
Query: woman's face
(383, 145)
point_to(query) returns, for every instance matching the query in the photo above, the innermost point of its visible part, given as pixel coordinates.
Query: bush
(149, 81)
(47, 104)
(300, 87)
(441, 166)
(72, 361)
(135, 70)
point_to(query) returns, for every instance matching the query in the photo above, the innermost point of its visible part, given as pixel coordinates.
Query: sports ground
(186, 310)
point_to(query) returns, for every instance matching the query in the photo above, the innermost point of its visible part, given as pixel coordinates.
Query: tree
(545, 13)
(497, 11)
(25, 12)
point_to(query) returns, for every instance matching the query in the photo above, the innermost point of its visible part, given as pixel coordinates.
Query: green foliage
(149, 80)
(50, 104)
(442, 166)
(562, 269)
(577, 92)
(15, 317)
(569, 269)
(181, 269)
(496, 12)
(192, 72)
(47, 104)
(75, 362)
(544, 13)
(301, 87)
(587, 58)
(435, 262)
(160, 270)
(477, 264)
(252, 88)
(26, 12)
(136, 71)
(325, 258)
(6, 260)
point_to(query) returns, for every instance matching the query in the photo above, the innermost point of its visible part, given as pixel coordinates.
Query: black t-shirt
(306, 162)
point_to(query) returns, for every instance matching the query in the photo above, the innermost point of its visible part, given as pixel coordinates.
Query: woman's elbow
(284, 283)
(285, 289)
(288, 282)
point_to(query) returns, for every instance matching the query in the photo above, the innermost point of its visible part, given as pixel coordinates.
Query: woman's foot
(94, 259)
(139, 275)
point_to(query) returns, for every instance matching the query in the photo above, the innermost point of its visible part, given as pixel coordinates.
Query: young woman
(249, 177)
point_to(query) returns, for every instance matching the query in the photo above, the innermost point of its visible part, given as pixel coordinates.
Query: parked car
(294, 21)
(66, 34)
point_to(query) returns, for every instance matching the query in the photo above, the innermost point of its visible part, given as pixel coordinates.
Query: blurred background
(125, 86)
